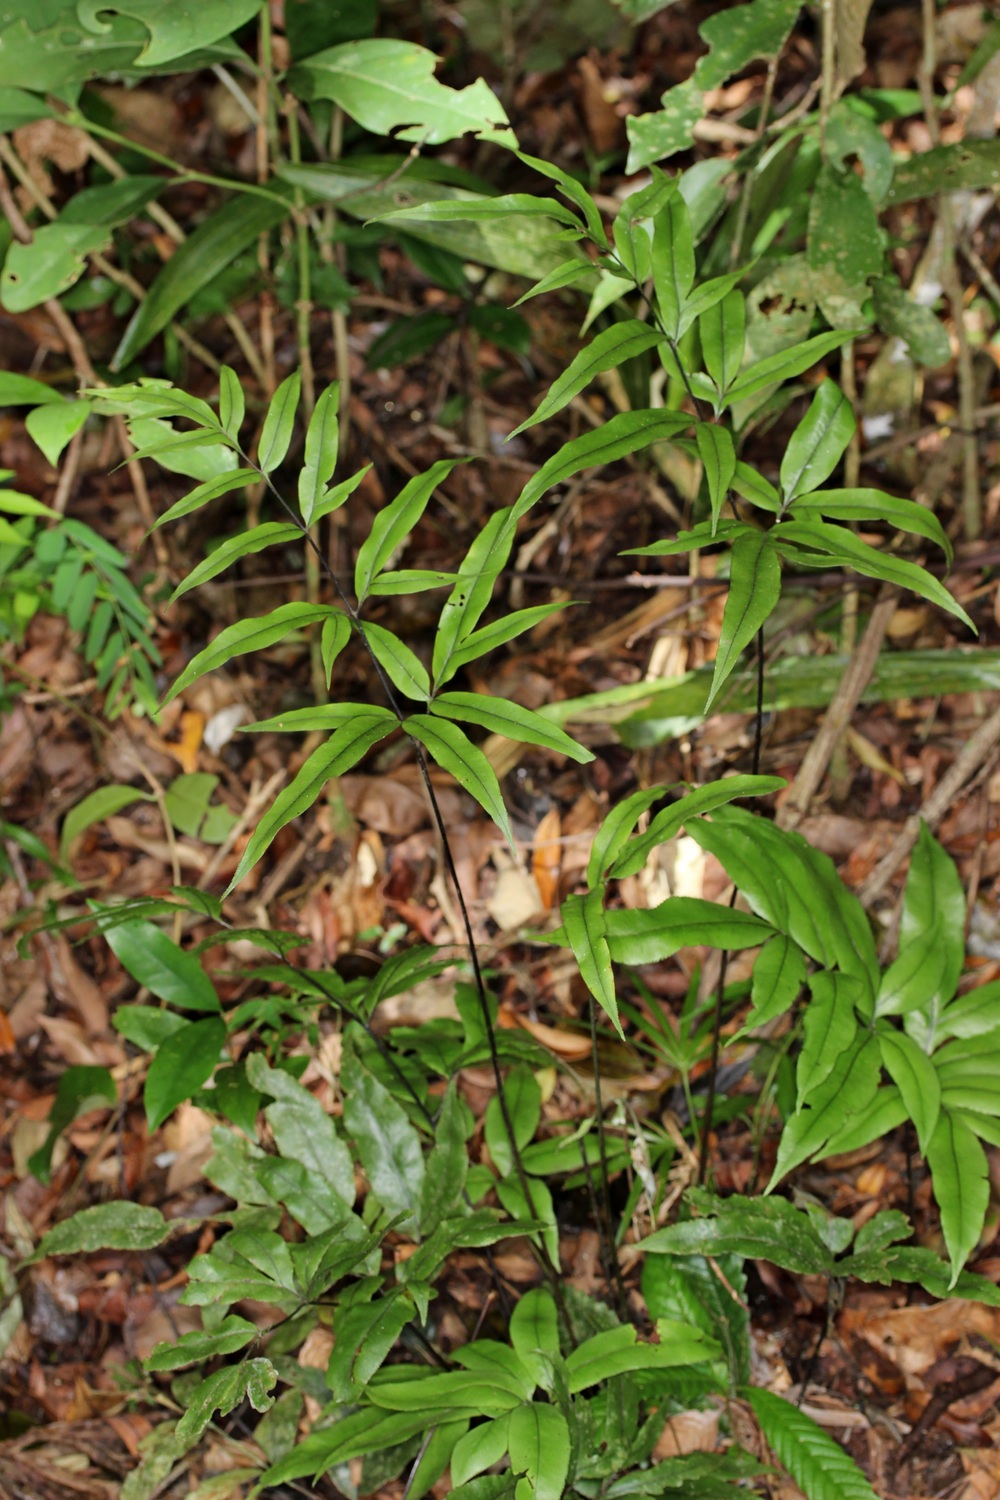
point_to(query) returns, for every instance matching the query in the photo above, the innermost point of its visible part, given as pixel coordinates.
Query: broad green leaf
(15, 504)
(723, 338)
(402, 666)
(585, 924)
(524, 1105)
(80, 1088)
(910, 1263)
(394, 523)
(671, 819)
(934, 895)
(873, 505)
(325, 717)
(250, 635)
(268, 534)
(897, 313)
(322, 441)
(232, 402)
(488, 1357)
(454, 1391)
(754, 590)
(50, 264)
(771, 1229)
(672, 262)
(387, 1143)
(335, 636)
(647, 937)
(574, 191)
(846, 1093)
(852, 552)
(503, 717)
(51, 427)
(534, 1332)
(629, 432)
(303, 1131)
(228, 1337)
(778, 976)
(913, 1073)
(960, 1177)
(94, 808)
(153, 959)
(844, 248)
(703, 298)
(786, 364)
(815, 1460)
(182, 1063)
(250, 1380)
(107, 1226)
(446, 1167)
(618, 1351)
(454, 752)
(188, 800)
(946, 169)
(973, 1014)
(915, 980)
(691, 1290)
(276, 434)
(388, 86)
(885, 1114)
(715, 448)
(539, 1443)
(829, 1028)
(146, 1026)
(199, 455)
(343, 749)
(213, 247)
(364, 1334)
(815, 447)
(210, 490)
(434, 1457)
(25, 390)
(606, 351)
(479, 1450)
(539, 1209)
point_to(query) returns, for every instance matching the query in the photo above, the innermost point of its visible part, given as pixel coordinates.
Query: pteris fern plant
(573, 1401)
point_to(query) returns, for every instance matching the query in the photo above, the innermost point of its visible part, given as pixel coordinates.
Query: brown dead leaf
(571, 1045)
(688, 1432)
(73, 986)
(546, 857)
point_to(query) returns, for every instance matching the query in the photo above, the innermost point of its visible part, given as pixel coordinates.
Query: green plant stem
(713, 1067)
(606, 1222)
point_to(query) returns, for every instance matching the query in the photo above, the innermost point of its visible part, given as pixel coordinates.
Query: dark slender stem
(706, 1126)
(605, 1224)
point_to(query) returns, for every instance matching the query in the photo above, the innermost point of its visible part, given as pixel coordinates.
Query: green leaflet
(539, 1443)
(815, 1460)
(268, 534)
(210, 490)
(386, 84)
(723, 338)
(394, 523)
(446, 1166)
(249, 635)
(50, 264)
(778, 977)
(672, 262)
(770, 1229)
(479, 1450)
(960, 1175)
(482, 565)
(231, 1335)
(169, 972)
(671, 819)
(276, 434)
(322, 441)
(523, 1098)
(913, 1073)
(212, 247)
(503, 717)
(303, 1131)
(586, 928)
(754, 590)
(629, 432)
(817, 443)
(715, 448)
(387, 1143)
(873, 505)
(829, 1027)
(851, 552)
(534, 1332)
(251, 1380)
(846, 1092)
(107, 1226)
(402, 666)
(343, 749)
(785, 364)
(646, 937)
(183, 1062)
(606, 351)
(451, 748)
